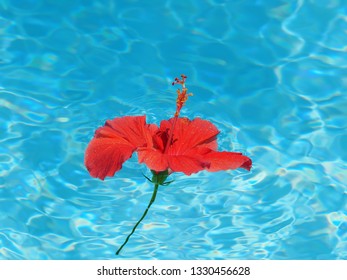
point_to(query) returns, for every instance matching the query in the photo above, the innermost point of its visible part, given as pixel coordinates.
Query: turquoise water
(270, 74)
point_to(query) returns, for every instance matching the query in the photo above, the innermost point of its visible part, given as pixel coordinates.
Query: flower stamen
(182, 96)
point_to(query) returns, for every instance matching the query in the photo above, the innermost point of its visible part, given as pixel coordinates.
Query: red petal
(227, 160)
(187, 164)
(133, 129)
(114, 143)
(105, 156)
(154, 159)
(190, 162)
(190, 134)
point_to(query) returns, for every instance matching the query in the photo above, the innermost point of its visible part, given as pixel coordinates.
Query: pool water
(271, 75)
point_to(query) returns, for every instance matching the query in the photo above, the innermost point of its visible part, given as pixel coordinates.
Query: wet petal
(190, 134)
(154, 159)
(105, 156)
(199, 159)
(227, 160)
(114, 143)
(131, 128)
(187, 164)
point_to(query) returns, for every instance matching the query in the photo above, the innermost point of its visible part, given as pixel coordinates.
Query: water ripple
(269, 75)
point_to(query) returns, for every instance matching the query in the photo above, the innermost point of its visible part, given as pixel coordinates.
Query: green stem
(156, 186)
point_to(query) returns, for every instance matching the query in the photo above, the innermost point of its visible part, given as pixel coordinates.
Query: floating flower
(177, 145)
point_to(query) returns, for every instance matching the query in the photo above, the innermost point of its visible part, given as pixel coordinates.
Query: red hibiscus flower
(177, 145)
(192, 147)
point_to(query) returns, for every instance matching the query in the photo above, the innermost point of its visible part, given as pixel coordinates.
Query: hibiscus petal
(227, 160)
(114, 143)
(187, 164)
(190, 134)
(105, 156)
(132, 128)
(154, 159)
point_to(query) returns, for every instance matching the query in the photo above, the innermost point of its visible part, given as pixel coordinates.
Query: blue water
(271, 75)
